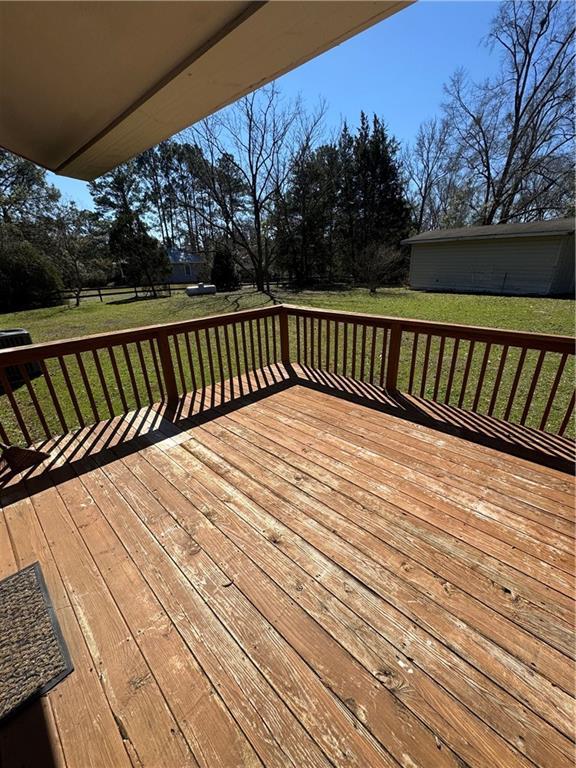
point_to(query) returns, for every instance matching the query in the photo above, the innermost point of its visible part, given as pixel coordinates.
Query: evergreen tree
(305, 217)
(120, 192)
(25, 194)
(141, 258)
(345, 209)
(383, 212)
(224, 275)
(346, 204)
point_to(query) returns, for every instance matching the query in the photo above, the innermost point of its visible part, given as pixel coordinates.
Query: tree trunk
(259, 280)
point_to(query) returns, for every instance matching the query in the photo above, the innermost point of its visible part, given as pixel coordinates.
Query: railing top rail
(45, 350)
(546, 341)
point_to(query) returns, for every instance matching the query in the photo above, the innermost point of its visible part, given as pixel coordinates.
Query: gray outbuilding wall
(535, 264)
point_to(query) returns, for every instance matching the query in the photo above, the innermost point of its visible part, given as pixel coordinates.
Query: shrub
(28, 279)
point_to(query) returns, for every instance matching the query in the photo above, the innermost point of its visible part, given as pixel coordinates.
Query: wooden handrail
(393, 357)
(284, 337)
(42, 351)
(472, 367)
(546, 341)
(59, 385)
(167, 369)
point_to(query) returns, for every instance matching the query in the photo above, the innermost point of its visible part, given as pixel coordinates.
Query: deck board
(466, 510)
(496, 486)
(400, 549)
(356, 489)
(409, 600)
(299, 581)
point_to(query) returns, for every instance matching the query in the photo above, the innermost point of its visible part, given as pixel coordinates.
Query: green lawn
(541, 315)
(526, 314)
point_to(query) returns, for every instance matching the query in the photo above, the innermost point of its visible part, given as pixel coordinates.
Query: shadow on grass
(495, 294)
(234, 298)
(134, 299)
(336, 290)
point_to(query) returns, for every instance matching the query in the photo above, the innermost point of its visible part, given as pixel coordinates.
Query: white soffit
(86, 85)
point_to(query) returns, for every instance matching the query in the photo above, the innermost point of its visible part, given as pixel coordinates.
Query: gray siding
(503, 266)
(184, 272)
(563, 283)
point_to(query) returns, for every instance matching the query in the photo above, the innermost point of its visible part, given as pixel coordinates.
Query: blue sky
(396, 69)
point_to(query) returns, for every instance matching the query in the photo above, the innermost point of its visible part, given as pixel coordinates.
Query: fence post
(393, 357)
(167, 369)
(284, 336)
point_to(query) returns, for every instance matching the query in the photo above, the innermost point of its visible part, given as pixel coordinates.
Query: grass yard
(523, 314)
(540, 315)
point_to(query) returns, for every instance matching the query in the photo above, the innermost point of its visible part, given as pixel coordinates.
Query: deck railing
(89, 379)
(517, 377)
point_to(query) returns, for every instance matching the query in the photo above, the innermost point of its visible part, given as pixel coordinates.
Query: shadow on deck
(154, 423)
(41, 750)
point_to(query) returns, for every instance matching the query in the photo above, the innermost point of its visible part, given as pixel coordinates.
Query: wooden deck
(300, 581)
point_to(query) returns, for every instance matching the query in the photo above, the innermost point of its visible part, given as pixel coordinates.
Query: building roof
(495, 231)
(182, 256)
(87, 85)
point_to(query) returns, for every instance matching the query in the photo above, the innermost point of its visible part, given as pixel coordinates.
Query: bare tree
(378, 265)
(504, 148)
(248, 151)
(515, 134)
(427, 166)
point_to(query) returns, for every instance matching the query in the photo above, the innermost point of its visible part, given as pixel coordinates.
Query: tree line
(260, 189)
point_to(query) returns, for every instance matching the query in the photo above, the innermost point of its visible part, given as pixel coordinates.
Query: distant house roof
(182, 256)
(493, 231)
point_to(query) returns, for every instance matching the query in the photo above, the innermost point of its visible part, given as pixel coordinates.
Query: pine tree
(304, 217)
(224, 275)
(376, 215)
(383, 211)
(346, 201)
(142, 259)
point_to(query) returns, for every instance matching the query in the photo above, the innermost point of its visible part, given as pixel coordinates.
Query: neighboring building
(185, 265)
(536, 258)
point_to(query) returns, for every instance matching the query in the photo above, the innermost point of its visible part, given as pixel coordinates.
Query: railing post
(393, 357)
(284, 336)
(167, 369)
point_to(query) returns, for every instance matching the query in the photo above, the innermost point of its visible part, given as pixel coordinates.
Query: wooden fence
(105, 292)
(523, 378)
